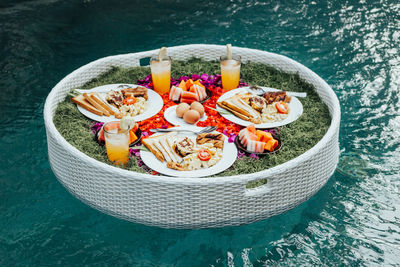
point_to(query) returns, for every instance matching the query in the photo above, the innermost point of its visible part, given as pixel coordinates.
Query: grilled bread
(160, 146)
(91, 99)
(81, 101)
(241, 108)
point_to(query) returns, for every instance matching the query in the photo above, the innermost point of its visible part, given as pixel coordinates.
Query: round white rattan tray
(191, 202)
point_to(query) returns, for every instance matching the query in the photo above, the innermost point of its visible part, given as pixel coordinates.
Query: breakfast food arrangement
(121, 102)
(183, 153)
(130, 181)
(189, 104)
(271, 107)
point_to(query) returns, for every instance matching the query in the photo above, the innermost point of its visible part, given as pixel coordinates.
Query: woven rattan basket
(191, 202)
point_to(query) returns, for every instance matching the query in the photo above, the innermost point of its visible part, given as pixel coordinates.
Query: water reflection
(353, 220)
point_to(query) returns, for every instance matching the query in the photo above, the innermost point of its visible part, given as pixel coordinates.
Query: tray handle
(266, 186)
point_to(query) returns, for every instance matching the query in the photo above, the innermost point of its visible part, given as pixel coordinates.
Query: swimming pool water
(354, 46)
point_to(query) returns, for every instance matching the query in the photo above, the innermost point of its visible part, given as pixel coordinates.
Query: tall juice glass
(230, 72)
(117, 143)
(161, 74)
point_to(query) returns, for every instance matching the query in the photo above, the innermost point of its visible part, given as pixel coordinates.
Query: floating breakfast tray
(175, 202)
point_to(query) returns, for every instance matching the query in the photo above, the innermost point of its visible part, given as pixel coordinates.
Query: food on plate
(188, 97)
(204, 154)
(271, 107)
(81, 101)
(181, 109)
(198, 107)
(216, 139)
(183, 147)
(272, 97)
(139, 91)
(188, 92)
(120, 102)
(282, 107)
(257, 141)
(175, 93)
(182, 153)
(127, 101)
(239, 105)
(190, 114)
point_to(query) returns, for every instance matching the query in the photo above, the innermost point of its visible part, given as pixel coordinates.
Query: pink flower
(254, 156)
(232, 138)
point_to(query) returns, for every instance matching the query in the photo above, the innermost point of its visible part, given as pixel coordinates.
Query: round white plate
(154, 103)
(295, 111)
(170, 116)
(229, 155)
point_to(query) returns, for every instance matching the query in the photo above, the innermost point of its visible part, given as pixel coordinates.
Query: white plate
(295, 111)
(229, 155)
(154, 103)
(170, 116)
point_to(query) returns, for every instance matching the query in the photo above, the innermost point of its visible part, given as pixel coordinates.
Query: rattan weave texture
(191, 202)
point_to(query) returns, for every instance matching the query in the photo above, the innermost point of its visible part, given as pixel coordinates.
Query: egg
(181, 109)
(198, 107)
(191, 116)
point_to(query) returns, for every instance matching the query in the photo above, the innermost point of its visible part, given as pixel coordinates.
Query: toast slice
(81, 101)
(240, 108)
(155, 147)
(96, 97)
(91, 100)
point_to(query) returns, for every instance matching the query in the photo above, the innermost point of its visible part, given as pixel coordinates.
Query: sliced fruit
(245, 136)
(175, 93)
(127, 122)
(204, 154)
(101, 134)
(132, 137)
(282, 107)
(130, 100)
(263, 136)
(252, 128)
(197, 82)
(255, 146)
(189, 84)
(182, 85)
(271, 145)
(135, 127)
(188, 97)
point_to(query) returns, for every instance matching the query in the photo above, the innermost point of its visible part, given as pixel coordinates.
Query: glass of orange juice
(117, 142)
(230, 72)
(161, 74)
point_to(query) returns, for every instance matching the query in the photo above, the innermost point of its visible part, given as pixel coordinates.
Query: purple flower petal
(184, 78)
(195, 77)
(96, 127)
(204, 76)
(232, 138)
(254, 156)
(240, 154)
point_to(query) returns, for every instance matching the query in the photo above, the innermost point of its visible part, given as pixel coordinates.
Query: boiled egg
(198, 107)
(191, 116)
(181, 109)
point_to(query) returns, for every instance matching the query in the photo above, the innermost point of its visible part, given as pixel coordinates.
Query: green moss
(297, 137)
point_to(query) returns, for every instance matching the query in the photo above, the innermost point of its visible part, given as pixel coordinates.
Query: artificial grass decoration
(297, 137)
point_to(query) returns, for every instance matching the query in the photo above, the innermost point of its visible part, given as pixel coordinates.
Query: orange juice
(117, 143)
(161, 75)
(230, 73)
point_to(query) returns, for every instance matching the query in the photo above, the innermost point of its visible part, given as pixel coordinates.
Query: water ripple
(353, 220)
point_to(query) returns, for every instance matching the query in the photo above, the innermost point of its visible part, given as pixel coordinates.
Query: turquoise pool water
(354, 219)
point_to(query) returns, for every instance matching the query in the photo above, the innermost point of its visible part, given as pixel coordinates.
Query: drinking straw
(229, 51)
(162, 53)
